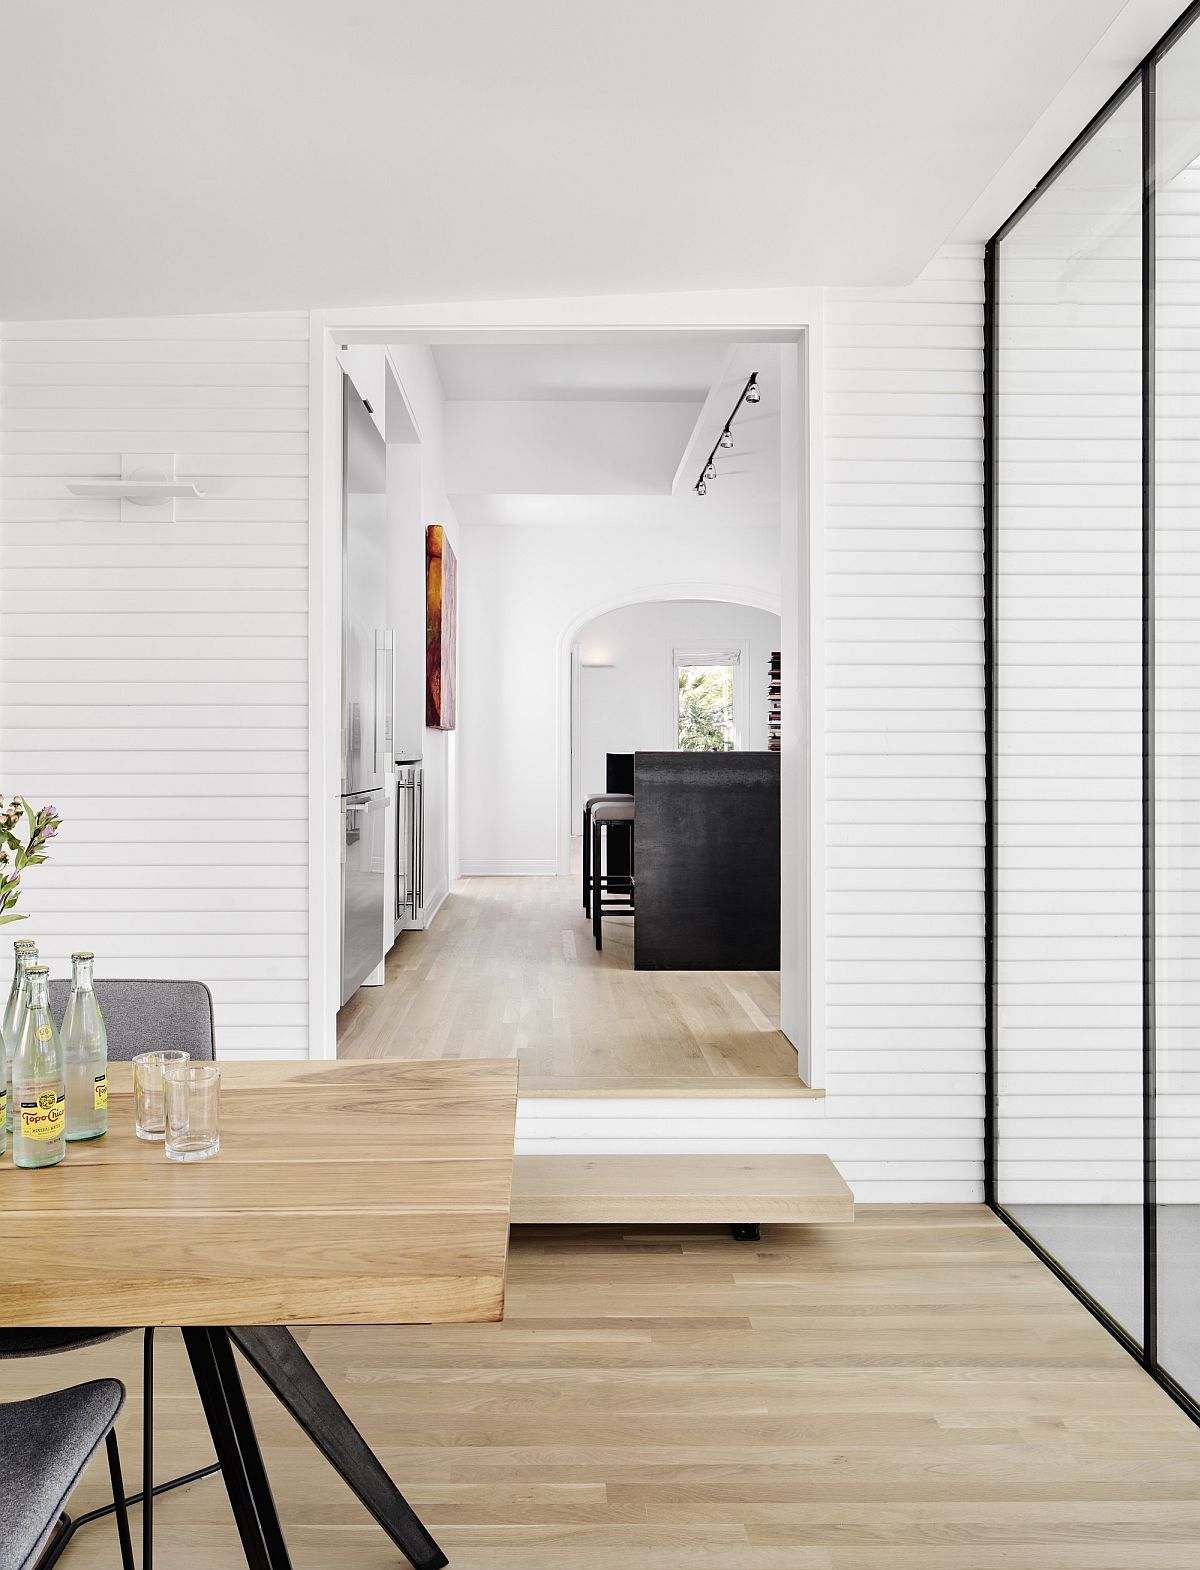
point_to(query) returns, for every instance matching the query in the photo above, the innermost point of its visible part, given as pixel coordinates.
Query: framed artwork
(441, 626)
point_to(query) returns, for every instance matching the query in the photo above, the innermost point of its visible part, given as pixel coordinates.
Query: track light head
(726, 439)
(701, 488)
(710, 470)
(752, 393)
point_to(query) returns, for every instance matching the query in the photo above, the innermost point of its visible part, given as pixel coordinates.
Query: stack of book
(773, 705)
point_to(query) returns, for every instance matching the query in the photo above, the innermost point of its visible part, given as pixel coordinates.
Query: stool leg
(597, 882)
(587, 862)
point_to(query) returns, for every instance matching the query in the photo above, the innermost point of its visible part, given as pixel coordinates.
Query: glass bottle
(24, 953)
(85, 1054)
(39, 1085)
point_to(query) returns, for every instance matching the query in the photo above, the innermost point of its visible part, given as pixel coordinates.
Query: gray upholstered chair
(139, 1016)
(147, 1016)
(45, 1444)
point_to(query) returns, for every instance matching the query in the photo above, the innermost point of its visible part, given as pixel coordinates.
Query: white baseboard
(431, 907)
(509, 869)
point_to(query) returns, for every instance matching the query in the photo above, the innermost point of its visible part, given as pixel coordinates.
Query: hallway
(509, 970)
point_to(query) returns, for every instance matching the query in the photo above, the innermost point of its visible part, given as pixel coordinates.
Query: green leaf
(15, 915)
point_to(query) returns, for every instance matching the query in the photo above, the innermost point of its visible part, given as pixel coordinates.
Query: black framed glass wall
(1093, 847)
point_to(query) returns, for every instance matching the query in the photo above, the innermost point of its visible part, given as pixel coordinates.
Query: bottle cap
(37, 970)
(24, 943)
(83, 954)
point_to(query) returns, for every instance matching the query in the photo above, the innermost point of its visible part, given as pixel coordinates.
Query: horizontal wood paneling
(1177, 693)
(153, 676)
(1069, 709)
(904, 735)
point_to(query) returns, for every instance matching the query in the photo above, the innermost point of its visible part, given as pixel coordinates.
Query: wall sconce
(148, 480)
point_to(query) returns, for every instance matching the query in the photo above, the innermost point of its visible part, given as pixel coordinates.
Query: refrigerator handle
(411, 787)
(384, 679)
(420, 837)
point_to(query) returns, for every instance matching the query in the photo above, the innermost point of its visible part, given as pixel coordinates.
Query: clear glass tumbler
(149, 1113)
(193, 1102)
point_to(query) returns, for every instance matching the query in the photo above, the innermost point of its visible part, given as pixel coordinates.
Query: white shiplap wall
(158, 685)
(1069, 719)
(153, 675)
(903, 1119)
(904, 732)
(1177, 668)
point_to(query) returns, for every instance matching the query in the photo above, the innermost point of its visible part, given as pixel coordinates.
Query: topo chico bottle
(24, 953)
(85, 1054)
(39, 1085)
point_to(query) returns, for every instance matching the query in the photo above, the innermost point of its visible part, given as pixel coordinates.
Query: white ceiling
(607, 435)
(626, 373)
(251, 154)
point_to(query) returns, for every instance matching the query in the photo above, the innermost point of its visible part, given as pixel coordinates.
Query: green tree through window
(706, 708)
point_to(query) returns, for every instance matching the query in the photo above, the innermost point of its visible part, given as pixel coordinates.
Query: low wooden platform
(735, 1189)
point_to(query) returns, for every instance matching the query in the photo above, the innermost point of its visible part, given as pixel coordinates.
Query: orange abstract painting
(441, 617)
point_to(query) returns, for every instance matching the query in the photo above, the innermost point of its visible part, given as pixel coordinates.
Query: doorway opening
(560, 473)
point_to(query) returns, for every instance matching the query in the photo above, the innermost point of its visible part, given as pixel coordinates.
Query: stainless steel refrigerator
(367, 655)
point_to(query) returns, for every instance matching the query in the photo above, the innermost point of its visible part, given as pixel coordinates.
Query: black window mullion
(1149, 845)
(991, 1126)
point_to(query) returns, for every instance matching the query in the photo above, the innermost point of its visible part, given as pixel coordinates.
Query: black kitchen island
(706, 852)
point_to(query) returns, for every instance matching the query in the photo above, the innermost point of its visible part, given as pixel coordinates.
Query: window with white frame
(707, 698)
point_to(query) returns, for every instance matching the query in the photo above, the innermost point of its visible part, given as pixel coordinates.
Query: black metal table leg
(148, 1448)
(228, 1416)
(273, 1353)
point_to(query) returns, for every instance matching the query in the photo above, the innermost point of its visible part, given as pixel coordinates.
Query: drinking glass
(193, 1106)
(150, 1120)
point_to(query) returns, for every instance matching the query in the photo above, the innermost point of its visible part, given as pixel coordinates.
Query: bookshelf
(773, 703)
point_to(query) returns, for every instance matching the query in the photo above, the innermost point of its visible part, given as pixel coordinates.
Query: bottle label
(100, 1099)
(44, 1118)
(43, 1033)
(3, 1101)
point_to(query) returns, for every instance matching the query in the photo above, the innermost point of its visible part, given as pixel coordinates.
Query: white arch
(726, 593)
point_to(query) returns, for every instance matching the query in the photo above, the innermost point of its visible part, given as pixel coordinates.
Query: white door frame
(792, 318)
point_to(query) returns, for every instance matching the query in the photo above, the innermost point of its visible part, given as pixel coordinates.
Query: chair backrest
(618, 772)
(149, 1016)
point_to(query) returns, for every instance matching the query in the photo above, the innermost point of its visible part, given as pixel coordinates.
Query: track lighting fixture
(750, 394)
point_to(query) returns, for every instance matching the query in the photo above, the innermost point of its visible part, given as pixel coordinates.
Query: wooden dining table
(364, 1193)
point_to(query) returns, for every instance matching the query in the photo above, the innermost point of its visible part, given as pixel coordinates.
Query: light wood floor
(914, 1392)
(509, 969)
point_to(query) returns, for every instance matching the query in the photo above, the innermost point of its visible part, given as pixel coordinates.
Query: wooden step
(735, 1189)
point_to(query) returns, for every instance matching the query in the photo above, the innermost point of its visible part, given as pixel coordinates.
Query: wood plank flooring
(914, 1392)
(509, 969)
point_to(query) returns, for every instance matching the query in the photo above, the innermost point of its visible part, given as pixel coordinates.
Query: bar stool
(604, 815)
(591, 802)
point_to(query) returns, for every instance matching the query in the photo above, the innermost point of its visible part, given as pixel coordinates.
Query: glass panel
(1069, 722)
(1177, 706)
